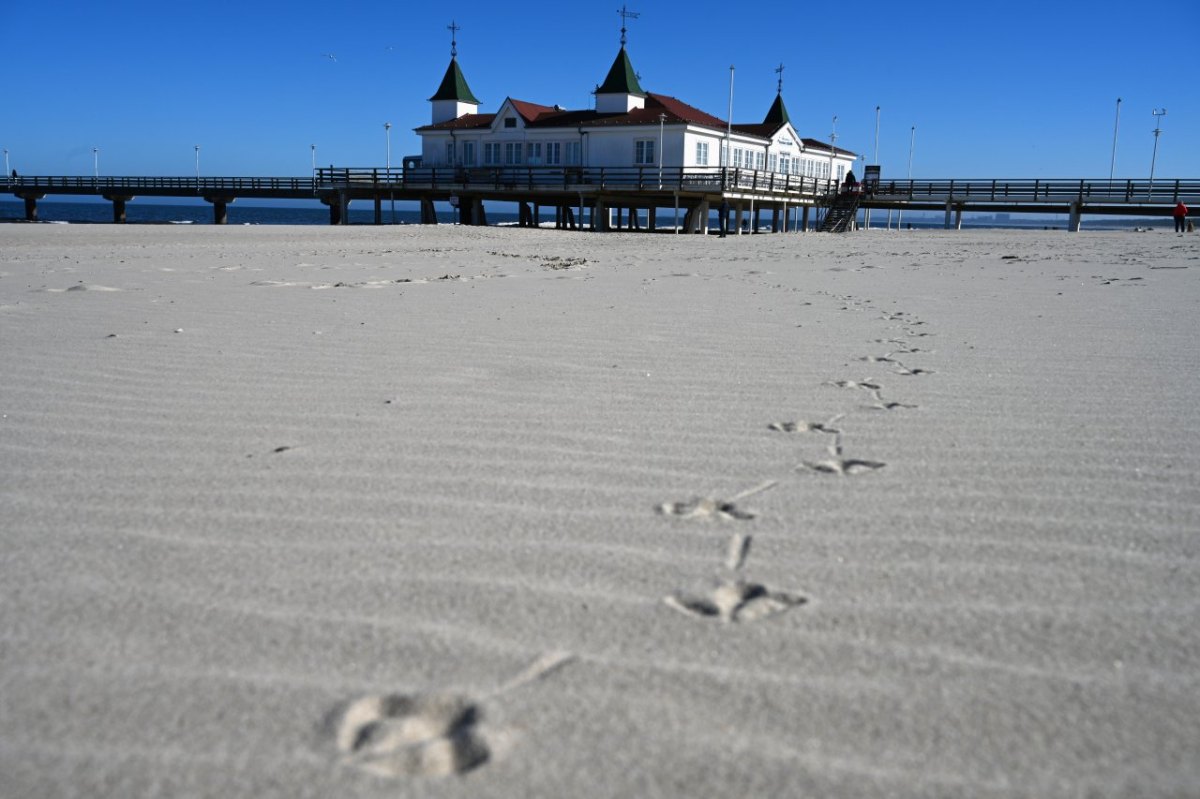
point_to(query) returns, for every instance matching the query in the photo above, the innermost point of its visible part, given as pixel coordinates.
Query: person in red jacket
(1180, 214)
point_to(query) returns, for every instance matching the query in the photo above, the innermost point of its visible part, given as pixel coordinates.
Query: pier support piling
(1074, 220)
(118, 207)
(804, 218)
(428, 214)
(220, 208)
(31, 212)
(601, 217)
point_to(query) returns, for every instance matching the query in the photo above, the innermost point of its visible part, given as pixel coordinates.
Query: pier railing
(1059, 192)
(707, 180)
(1118, 195)
(179, 186)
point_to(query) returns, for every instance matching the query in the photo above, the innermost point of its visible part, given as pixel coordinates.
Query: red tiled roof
(531, 111)
(464, 122)
(761, 130)
(817, 144)
(676, 111)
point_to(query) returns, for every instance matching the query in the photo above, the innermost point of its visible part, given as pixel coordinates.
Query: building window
(450, 153)
(574, 153)
(468, 153)
(491, 153)
(701, 153)
(510, 122)
(512, 153)
(760, 160)
(772, 162)
(785, 164)
(533, 152)
(841, 172)
(643, 151)
(553, 153)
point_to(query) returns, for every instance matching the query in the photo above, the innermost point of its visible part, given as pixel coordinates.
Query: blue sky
(1018, 89)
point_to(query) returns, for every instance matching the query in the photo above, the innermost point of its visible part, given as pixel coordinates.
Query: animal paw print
(394, 735)
(733, 599)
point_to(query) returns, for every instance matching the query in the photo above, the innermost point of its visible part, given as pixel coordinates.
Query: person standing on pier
(1180, 213)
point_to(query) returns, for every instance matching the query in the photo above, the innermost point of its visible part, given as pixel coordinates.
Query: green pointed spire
(621, 78)
(454, 86)
(778, 114)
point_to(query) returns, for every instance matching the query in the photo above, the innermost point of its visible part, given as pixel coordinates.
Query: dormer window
(510, 122)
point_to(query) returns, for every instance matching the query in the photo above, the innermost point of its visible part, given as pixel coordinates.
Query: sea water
(363, 213)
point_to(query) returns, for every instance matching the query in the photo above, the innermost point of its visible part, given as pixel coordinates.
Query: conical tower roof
(622, 79)
(454, 86)
(778, 115)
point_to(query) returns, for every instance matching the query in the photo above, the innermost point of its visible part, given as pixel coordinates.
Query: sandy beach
(486, 512)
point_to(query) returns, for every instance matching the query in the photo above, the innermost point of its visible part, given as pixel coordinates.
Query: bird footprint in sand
(395, 735)
(806, 427)
(881, 404)
(866, 384)
(836, 464)
(734, 599)
(904, 370)
(709, 508)
(421, 735)
(842, 466)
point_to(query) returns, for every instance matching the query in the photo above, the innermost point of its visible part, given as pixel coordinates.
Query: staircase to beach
(841, 212)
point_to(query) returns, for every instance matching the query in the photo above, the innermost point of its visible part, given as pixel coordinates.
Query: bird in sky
(330, 56)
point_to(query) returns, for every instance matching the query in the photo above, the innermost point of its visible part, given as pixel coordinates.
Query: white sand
(285, 514)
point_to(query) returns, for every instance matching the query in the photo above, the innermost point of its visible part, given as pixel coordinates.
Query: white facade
(623, 131)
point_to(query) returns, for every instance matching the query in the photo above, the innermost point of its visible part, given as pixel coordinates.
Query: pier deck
(693, 190)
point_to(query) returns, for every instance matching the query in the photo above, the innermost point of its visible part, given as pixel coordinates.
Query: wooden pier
(603, 199)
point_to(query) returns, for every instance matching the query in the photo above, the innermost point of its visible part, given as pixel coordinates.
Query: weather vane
(454, 29)
(625, 17)
(779, 71)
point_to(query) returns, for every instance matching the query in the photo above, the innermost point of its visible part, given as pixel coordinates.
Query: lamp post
(867, 212)
(1158, 113)
(912, 139)
(7, 173)
(197, 166)
(1112, 167)
(314, 158)
(662, 121)
(387, 131)
(96, 163)
(729, 124)
(832, 150)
